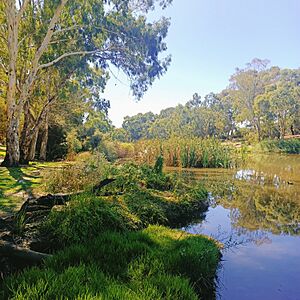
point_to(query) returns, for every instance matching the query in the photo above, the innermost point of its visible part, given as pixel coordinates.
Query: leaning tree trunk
(13, 108)
(28, 144)
(44, 142)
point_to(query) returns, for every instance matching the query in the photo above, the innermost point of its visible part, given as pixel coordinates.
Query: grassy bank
(113, 246)
(156, 263)
(290, 146)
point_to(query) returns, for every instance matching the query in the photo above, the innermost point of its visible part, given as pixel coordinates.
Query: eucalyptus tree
(281, 101)
(138, 126)
(63, 34)
(245, 85)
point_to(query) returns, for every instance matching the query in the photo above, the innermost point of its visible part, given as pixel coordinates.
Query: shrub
(82, 175)
(290, 146)
(131, 176)
(86, 217)
(74, 144)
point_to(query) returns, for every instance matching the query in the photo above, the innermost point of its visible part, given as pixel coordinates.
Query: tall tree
(282, 100)
(246, 85)
(47, 34)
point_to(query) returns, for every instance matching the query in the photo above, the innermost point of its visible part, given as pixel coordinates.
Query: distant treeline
(260, 102)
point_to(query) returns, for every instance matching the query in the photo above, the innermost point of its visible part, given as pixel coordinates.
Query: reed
(188, 153)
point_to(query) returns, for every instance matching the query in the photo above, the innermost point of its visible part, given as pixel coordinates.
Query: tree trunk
(26, 137)
(12, 156)
(33, 146)
(44, 142)
(281, 122)
(13, 108)
(292, 129)
(258, 130)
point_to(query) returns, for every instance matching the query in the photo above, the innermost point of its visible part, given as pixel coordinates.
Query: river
(255, 212)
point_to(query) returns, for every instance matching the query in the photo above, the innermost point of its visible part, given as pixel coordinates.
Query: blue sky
(208, 39)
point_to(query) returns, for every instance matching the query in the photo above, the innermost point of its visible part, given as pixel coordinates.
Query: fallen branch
(11, 250)
(102, 184)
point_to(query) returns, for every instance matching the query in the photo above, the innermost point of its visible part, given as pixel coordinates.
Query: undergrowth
(291, 146)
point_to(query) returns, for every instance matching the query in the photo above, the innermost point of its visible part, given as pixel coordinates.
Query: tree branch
(35, 62)
(51, 63)
(46, 39)
(67, 29)
(21, 10)
(9, 249)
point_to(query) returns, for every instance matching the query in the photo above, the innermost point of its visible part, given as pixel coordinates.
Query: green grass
(156, 263)
(113, 246)
(16, 184)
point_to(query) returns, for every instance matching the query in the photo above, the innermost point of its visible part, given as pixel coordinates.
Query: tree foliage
(260, 102)
(55, 50)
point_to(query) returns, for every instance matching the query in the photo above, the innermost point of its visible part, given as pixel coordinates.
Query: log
(48, 201)
(96, 189)
(11, 250)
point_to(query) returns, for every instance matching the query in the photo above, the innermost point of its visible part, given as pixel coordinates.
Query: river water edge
(255, 212)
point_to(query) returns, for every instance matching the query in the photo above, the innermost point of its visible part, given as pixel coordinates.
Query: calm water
(255, 212)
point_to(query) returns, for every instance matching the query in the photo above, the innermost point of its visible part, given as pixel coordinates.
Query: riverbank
(113, 245)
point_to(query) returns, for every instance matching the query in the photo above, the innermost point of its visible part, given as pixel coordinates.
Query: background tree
(259, 103)
(138, 126)
(246, 85)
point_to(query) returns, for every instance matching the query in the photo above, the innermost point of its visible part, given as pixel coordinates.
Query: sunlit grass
(17, 183)
(155, 263)
(2, 151)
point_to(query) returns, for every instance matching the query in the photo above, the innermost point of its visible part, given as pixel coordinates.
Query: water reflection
(255, 212)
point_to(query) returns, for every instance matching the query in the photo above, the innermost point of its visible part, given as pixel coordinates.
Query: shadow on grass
(12, 182)
(21, 183)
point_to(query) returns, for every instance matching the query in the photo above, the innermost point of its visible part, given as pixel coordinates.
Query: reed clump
(188, 153)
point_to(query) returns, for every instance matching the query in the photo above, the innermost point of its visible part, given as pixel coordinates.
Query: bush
(131, 176)
(86, 217)
(290, 146)
(82, 175)
(139, 196)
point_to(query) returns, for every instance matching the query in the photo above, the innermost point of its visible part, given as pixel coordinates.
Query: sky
(208, 39)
